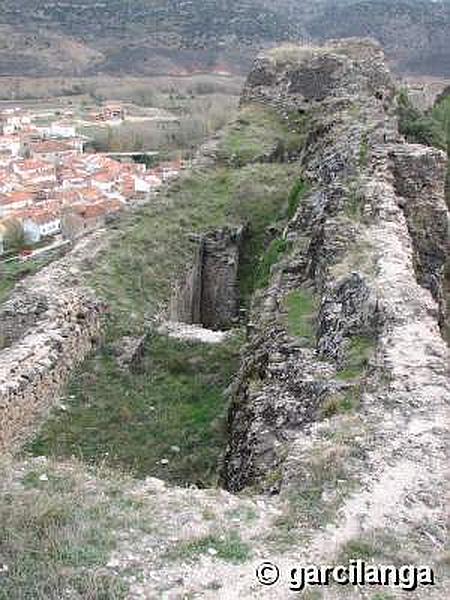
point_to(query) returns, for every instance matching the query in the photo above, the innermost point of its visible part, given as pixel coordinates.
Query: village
(52, 191)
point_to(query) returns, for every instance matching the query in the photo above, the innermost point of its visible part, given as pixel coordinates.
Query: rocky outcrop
(419, 180)
(357, 302)
(185, 303)
(220, 289)
(210, 294)
(129, 352)
(294, 79)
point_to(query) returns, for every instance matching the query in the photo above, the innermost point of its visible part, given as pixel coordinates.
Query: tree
(418, 127)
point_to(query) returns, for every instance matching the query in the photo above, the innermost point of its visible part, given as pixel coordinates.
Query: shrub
(418, 127)
(297, 193)
(274, 253)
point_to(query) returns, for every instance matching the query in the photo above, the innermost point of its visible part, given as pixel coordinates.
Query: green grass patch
(360, 351)
(173, 410)
(297, 193)
(54, 541)
(342, 403)
(176, 400)
(278, 247)
(314, 497)
(364, 151)
(153, 247)
(259, 134)
(301, 307)
(421, 128)
(13, 272)
(272, 256)
(228, 547)
(375, 546)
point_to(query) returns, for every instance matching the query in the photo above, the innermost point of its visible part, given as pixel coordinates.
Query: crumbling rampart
(50, 323)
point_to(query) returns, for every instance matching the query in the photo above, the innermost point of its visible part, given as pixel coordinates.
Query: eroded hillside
(317, 238)
(153, 36)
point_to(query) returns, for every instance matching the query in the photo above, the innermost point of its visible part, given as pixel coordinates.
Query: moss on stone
(344, 402)
(297, 193)
(302, 308)
(259, 134)
(361, 349)
(272, 256)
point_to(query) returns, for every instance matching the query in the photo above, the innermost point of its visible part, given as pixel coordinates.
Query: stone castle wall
(50, 323)
(209, 296)
(368, 243)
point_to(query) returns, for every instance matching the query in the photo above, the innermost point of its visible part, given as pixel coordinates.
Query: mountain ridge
(152, 36)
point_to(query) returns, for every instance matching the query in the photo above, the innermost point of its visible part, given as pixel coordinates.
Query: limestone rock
(368, 242)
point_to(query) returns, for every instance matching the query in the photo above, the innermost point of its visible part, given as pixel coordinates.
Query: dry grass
(292, 53)
(313, 498)
(56, 536)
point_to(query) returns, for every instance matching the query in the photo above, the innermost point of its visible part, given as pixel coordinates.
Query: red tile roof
(49, 146)
(43, 216)
(16, 197)
(33, 164)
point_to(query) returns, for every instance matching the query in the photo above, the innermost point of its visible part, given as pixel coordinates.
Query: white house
(8, 181)
(78, 143)
(63, 129)
(141, 185)
(15, 123)
(41, 225)
(11, 144)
